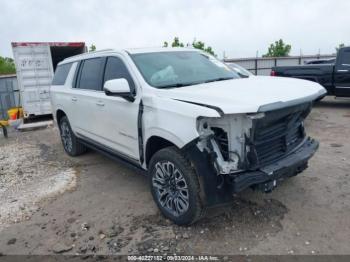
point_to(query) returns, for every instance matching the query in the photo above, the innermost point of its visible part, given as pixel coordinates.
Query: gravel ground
(51, 203)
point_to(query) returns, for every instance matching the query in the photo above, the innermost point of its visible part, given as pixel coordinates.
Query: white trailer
(35, 65)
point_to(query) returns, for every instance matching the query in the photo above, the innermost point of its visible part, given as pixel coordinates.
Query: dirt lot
(51, 203)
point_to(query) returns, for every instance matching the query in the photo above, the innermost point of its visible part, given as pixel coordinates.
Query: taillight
(273, 73)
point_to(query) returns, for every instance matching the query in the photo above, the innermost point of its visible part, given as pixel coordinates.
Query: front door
(342, 73)
(118, 118)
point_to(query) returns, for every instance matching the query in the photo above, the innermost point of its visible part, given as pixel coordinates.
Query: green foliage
(7, 66)
(177, 43)
(339, 46)
(200, 45)
(92, 48)
(196, 44)
(279, 48)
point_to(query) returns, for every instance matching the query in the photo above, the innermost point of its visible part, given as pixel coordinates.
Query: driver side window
(115, 68)
(345, 59)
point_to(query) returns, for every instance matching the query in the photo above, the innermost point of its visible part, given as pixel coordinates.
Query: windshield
(180, 68)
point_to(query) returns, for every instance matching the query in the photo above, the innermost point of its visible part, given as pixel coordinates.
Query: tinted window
(90, 75)
(345, 57)
(115, 68)
(61, 74)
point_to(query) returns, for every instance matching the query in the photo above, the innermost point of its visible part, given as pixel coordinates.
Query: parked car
(200, 132)
(241, 71)
(334, 77)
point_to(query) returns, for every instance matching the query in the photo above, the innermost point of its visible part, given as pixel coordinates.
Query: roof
(130, 51)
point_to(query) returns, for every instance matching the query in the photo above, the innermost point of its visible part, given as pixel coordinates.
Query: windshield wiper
(218, 79)
(176, 85)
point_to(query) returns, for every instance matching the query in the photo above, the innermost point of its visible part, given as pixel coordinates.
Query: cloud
(238, 27)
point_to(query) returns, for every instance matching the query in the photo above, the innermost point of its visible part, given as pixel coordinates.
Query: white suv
(200, 131)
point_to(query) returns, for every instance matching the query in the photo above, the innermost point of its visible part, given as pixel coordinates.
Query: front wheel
(175, 186)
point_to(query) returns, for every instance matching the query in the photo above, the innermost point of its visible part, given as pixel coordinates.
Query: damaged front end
(238, 151)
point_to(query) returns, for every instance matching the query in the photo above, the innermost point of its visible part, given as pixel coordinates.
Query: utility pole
(223, 55)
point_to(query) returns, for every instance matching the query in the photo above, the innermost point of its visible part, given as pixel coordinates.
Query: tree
(7, 66)
(92, 48)
(177, 43)
(279, 48)
(339, 46)
(196, 44)
(200, 45)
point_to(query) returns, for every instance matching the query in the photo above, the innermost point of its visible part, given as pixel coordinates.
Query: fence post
(256, 66)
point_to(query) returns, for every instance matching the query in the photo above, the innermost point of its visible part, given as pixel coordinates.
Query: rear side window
(91, 74)
(115, 68)
(61, 74)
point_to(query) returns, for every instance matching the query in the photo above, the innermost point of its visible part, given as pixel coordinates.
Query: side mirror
(118, 87)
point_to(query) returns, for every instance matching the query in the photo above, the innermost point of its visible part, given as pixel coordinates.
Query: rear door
(84, 97)
(34, 74)
(342, 73)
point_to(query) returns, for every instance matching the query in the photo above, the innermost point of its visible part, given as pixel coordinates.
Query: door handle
(99, 103)
(343, 70)
(74, 99)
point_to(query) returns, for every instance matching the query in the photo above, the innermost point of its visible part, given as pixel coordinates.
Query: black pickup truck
(335, 78)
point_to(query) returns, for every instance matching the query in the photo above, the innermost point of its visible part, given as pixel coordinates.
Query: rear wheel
(175, 186)
(70, 142)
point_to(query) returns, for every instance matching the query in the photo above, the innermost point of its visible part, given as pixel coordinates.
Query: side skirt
(114, 155)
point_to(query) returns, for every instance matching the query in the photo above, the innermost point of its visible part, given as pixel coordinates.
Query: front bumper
(265, 178)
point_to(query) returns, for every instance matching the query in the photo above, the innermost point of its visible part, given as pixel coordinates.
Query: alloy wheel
(171, 188)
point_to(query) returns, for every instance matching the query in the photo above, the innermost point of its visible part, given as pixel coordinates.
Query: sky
(236, 28)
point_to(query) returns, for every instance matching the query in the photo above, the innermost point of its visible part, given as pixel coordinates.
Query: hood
(248, 95)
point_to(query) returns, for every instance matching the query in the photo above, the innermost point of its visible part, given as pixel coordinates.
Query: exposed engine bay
(250, 141)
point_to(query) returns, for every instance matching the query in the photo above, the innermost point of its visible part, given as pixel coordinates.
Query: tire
(70, 142)
(178, 201)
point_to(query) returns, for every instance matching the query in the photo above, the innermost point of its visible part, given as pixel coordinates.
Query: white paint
(246, 95)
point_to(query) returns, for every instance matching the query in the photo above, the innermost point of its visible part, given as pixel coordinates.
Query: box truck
(35, 66)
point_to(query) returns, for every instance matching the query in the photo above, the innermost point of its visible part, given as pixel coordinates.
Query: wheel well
(59, 115)
(154, 144)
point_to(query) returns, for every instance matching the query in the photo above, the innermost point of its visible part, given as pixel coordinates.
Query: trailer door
(34, 74)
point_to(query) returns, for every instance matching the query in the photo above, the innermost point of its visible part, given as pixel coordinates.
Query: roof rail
(102, 50)
(93, 52)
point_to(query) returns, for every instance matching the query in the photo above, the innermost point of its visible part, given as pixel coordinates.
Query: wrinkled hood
(248, 95)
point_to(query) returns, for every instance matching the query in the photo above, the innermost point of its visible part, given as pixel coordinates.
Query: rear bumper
(265, 178)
